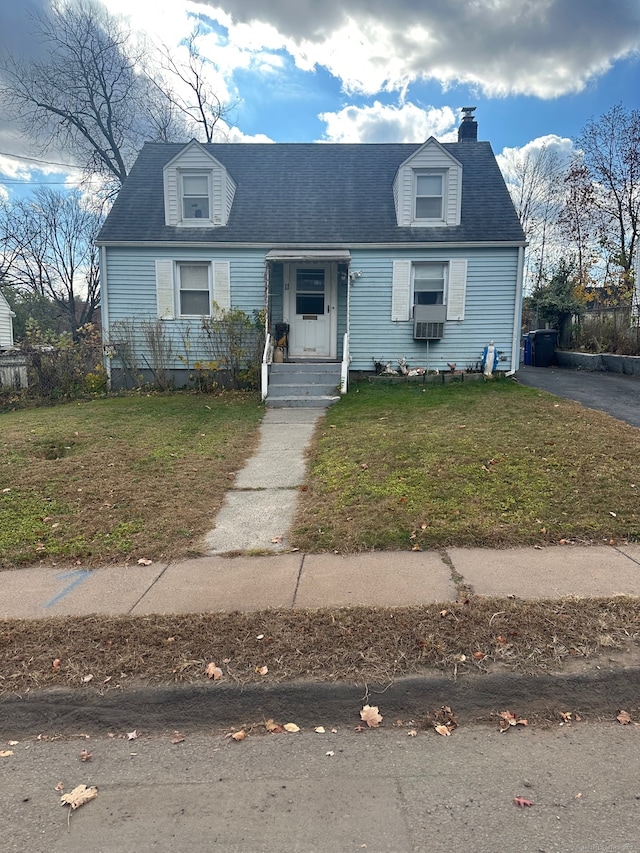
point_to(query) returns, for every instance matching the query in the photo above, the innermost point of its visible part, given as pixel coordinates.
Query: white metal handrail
(267, 357)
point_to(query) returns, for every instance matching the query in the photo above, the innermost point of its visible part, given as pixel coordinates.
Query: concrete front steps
(303, 384)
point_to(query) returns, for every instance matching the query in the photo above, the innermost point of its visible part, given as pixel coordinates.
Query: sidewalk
(297, 581)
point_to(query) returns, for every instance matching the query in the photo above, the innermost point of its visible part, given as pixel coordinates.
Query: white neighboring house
(6, 324)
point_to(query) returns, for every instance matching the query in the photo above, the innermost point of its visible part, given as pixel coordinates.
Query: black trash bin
(543, 347)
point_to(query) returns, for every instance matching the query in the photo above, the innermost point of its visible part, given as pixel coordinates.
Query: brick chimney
(468, 130)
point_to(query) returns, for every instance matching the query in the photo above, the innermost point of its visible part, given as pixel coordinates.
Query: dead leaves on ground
(370, 715)
(80, 795)
(508, 720)
(521, 802)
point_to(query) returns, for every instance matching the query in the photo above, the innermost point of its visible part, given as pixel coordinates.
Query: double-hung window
(429, 196)
(429, 280)
(194, 289)
(196, 194)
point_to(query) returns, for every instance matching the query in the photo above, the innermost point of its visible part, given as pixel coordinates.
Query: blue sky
(375, 71)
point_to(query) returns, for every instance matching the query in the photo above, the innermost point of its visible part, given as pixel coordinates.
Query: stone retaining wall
(629, 364)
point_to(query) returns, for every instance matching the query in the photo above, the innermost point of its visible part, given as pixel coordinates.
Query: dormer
(198, 190)
(428, 188)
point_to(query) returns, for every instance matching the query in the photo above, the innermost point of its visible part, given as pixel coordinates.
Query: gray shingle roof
(314, 193)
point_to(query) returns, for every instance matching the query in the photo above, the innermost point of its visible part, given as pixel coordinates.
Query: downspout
(517, 315)
(104, 314)
(346, 342)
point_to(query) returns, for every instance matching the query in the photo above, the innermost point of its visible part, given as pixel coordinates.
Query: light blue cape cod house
(359, 253)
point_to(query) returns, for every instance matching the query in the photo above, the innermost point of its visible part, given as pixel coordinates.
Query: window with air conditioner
(429, 309)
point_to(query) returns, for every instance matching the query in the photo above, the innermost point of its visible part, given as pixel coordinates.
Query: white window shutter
(222, 285)
(457, 290)
(401, 291)
(164, 290)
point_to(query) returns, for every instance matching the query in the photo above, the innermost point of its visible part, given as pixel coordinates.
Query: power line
(37, 160)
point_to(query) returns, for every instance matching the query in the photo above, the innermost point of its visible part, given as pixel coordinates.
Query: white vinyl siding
(6, 324)
(184, 178)
(430, 159)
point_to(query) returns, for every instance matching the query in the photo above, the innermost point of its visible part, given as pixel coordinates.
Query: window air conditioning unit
(428, 322)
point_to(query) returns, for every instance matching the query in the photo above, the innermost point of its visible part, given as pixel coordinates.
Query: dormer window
(196, 195)
(430, 191)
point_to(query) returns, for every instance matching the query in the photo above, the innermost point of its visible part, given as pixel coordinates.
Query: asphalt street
(377, 790)
(614, 393)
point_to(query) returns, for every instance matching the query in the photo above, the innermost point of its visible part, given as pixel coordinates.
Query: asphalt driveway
(614, 393)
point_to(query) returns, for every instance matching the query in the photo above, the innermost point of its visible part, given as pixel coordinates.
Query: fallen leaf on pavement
(177, 737)
(5, 753)
(507, 719)
(369, 714)
(59, 787)
(320, 730)
(213, 671)
(85, 755)
(624, 717)
(291, 727)
(132, 735)
(330, 753)
(412, 733)
(79, 796)
(241, 735)
(443, 730)
(273, 727)
(144, 562)
(521, 802)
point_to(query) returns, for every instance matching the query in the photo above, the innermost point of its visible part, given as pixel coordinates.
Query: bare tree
(534, 179)
(51, 252)
(186, 85)
(610, 149)
(577, 221)
(89, 97)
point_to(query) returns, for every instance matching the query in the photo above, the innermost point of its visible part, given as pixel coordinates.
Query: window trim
(195, 222)
(445, 280)
(179, 289)
(428, 220)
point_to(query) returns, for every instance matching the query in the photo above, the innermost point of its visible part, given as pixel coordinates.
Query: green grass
(120, 478)
(484, 464)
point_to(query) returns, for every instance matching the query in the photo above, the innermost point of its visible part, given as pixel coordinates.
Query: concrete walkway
(258, 511)
(298, 581)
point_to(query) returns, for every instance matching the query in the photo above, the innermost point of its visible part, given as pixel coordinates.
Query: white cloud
(383, 123)
(544, 48)
(561, 147)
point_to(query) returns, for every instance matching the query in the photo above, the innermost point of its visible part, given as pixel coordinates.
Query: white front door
(312, 310)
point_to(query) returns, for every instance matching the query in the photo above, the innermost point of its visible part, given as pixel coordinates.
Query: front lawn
(482, 464)
(119, 479)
